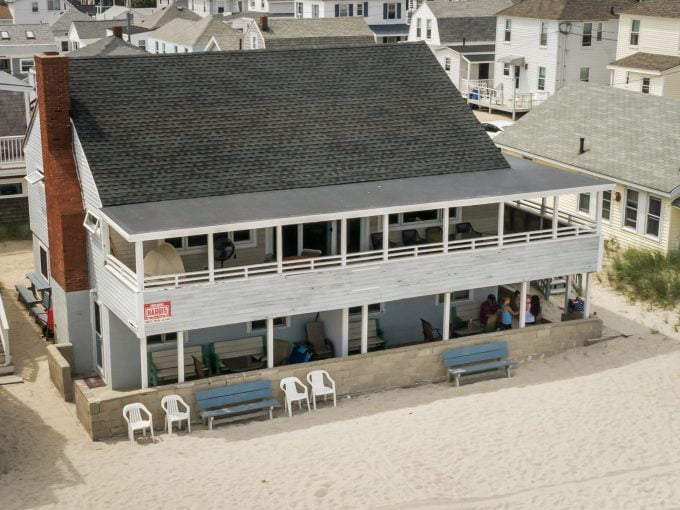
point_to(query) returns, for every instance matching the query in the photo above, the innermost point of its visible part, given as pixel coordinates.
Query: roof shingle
(648, 61)
(660, 8)
(568, 10)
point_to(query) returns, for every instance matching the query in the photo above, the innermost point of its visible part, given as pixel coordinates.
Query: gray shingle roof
(17, 34)
(197, 33)
(648, 61)
(629, 136)
(166, 14)
(291, 33)
(472, 20)
(107, 46)
(660, 8)
(268, 120)
(474, 48)
(568, 10)
(467, 8)
(95, 29)
(61, 24)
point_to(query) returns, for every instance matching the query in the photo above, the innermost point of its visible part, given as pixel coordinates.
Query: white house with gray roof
(61, 25)
(635, 142)
(185, 36)
(82, 33)
(19, 44)
(26, 12)
(296, 202)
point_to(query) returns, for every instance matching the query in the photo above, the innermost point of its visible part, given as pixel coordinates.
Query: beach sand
(596, 427)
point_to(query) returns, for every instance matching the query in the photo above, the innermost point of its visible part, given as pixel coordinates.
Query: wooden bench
(163, 364)
(477, 358)
(241, 351)
(375, 340)
(236, 402)
(26, 295)
(38, 310)
(38, 282)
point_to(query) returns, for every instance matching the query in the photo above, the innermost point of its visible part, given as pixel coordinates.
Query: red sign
(157, 312)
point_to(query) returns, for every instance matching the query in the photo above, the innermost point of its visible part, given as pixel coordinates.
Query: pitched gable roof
(648, 61)
(646, 152)
(313, 118)
(470, 20)
(107, 46)
(95, 29)
(568, 10)
(18, 34)
(61, 24)
(660, 8)
(166, 14)
(197, 33)
(317, 32)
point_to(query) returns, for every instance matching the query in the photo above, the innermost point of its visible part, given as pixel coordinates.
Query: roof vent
(581, 145)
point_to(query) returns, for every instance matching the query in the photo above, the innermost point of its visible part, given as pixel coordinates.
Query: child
(507, 314)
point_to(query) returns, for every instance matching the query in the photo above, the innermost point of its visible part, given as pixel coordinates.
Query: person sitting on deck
(575, 305)
(488, 308)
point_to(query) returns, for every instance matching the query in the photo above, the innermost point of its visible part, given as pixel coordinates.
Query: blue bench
(477, 358)
(236, 402)
(26, 295)
(38, 282)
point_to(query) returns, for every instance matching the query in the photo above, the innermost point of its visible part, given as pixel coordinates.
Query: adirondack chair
(295, 391)
(171, 405)
(317, 380)
(428, 332)
(316, 338)
(133, 416)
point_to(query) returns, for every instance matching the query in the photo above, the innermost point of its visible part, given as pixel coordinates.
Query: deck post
(144, 364)
(555, 217)
(543, 199)
(344, 337)
(279, 249)
(211, 257)
(598, 212)
(446, 321)
(270, 343)
(343, 241)
(445, 229)
(386, 235)
(501, 223)
(567, 291)
(523, 304)
(106, 239)
(180, 357)
(139, 264)
(364, 329)
(589, 292)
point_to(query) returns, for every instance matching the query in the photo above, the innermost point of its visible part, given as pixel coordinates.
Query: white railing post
(139, 264)
(589, 293)
(542, 211)
(180, 357)
(211, 257)
(386, 235)
(523, 304)
(4, 334)
(279, 249)
(598, 213)
(501, 223)
(445, 230)
(446, 320)
(270, 343)
(555, 218)
(344, 336)
(566, 293)
(143, 363)
(343, 241)
(364, 329)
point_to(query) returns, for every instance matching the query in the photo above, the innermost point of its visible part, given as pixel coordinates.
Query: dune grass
(647, 275)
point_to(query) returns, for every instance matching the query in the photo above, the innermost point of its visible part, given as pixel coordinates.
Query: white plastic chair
(318, 384)
(171, 406)
(133, 416)
(294, 390)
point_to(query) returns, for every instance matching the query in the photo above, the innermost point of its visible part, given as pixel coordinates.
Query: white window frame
(625, 209)
(381, 309)
(580, 74)
(589, 44)
(648, 215)
(506, 70)
(92, 223)
(4, 35)
(447, 63)
(286, 324)
(428, 29)
(360, 9)
(35, 177)
(541, 79)
(646, 83)
(403, 225)
(315, 10)
(419, 28)
(507, 37)
(439, 298)
(186, 249)
(42, 248)
(634, 33)
(19, 181)
(598, 32)
(21, 65)
(591, 205)
(253, 42)
(543, 36)
(604, 200)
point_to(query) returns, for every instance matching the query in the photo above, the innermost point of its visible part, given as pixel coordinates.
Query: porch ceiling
(156, 220)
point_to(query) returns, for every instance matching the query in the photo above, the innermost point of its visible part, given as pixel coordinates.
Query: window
(163, 46)
(11, 189)
(457, 297)
(298, 9)
(53, 5)
(587, 38)
(541, 78)
(26, 64)
(262, 4)
(646, 82)
(420, 216)
(64, 46)
(6, 65)
(254, 42)
(164, 338)
(544, 34)
(243, 236)
(261, 325)
(584, 75)
(44, 262)
(142, 44)
(75, 45)
(92, 223)
(447, 64)
(653, 216)
(506, 69)
(627, 77)
(418, 28)
(635, 33)
(508, 30)
(341, 10)
(372, 308)
(176, 49)
(156, 46)
(584, 203)
(606, 205)
(4, 35)
(197, 241)
(631, 210)
(30, 34)
(98, 340)
(34, 6)
(428, 29)
(315, 11)
(204, 6)
(35, 177)
(391, 11)
(599, 32)
(360, 9)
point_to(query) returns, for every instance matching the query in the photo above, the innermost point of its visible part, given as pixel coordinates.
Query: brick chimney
(65, 213)
(117, 32)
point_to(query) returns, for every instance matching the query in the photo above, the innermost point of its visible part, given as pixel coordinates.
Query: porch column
(139, 264)
(211, 257)
(446, 321)
(555, 218)
(588, 290)
(598, 212)
(364, 329)
(180, 357)
(445, 229)
(270, 343)
(344, 339)
(143, 362)
(386, 235)
(523, 304)
(279, 249)
(542, 211)
(343, 241)
(566, 293)
(501, 223)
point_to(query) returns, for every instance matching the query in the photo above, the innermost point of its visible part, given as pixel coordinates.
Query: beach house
(296, 189)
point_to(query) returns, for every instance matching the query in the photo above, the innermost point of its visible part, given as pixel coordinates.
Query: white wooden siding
(240, 301)
(36, 192)
(375, 10)
(88, 187)
(674, 230)
(657, 35)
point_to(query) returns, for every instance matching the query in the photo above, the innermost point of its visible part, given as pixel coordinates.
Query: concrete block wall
(100, 409)
(59, 360)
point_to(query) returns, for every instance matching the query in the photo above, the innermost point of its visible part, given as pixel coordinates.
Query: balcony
(484, 95)
(11, 152)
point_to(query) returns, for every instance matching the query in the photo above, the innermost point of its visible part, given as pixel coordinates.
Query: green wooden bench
(240, 354)
(236, 402)
(375, 340)
(26, 295)
(163, 364)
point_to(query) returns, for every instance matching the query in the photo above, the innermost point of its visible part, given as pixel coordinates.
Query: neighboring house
(377, 15)
(462, 36)
(83, 33)
(165, 14)
(277, 33)
(642, 156)
(18, 45)
(648, 50)
(35, 11)
(305, 173)
(184, 36)
(61, 25)
(543, 45)
(5, 15)
(121, 12)
(108, 46)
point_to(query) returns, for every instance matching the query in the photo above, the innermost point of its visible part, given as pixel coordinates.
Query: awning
(389, 30)
(483, 57)
(511, 59)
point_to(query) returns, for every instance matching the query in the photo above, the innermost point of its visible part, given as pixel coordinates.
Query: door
(290, 240)
(354, 235)
(484, 71)
(517, 71)
(316, 236)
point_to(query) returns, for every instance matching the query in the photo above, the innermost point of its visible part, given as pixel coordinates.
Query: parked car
(494, 127)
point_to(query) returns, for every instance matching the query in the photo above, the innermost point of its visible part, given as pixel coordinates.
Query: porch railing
(565, 217)
(4, 334)
(126, 274)
(10, 150)
(351, 259)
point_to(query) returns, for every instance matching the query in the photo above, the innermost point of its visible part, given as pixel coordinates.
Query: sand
(596, 427)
